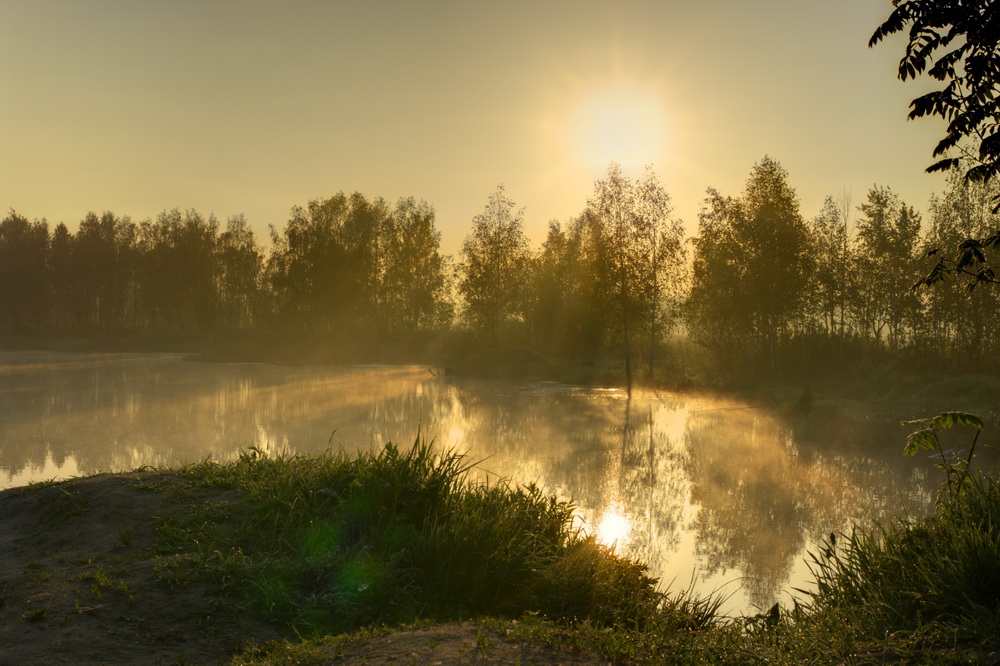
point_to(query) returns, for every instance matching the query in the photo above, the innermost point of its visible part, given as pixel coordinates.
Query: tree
(104, 268)
(24, 289)
(962, 328)
(180, 270)
(240, 265)
(494, 261)
(411, 279)
(751, 269)
(718, 315)
(350, 266)
(570, 310)
(305, 264)
(362, 235)
(886, 252)
(644, 253)
(63, 287)
(622, 230)
(551, 289)
(830, 240)
(962, 40)
(667, 259)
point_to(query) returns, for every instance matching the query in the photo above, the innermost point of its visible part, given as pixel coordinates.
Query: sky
(252, 107)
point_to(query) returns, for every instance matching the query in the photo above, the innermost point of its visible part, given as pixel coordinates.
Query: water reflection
(615, 527)
(698, 488)
(759, 502)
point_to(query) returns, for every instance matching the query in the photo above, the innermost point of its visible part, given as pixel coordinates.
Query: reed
(941, 570)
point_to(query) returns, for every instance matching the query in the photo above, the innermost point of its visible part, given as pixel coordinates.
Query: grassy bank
(339, 558)
(333, 543)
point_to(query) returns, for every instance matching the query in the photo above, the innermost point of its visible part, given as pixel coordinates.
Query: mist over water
(709, 492)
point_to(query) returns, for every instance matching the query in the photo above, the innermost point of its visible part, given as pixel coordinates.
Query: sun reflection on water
(699, 488)
(614, 529)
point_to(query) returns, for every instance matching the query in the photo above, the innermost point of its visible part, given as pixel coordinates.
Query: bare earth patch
(79, 584)
(451, 643)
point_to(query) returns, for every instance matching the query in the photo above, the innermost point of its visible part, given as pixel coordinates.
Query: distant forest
(761, 289)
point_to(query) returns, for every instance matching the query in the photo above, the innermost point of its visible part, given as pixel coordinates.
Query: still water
(723, 496)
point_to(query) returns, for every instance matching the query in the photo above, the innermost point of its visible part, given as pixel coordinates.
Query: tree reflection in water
(693, 486)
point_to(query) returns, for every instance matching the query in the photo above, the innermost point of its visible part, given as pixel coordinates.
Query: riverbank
(81, 582)
(683, 368)
(393, 557)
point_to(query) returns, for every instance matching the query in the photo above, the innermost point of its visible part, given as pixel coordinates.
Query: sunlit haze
(233, 107)
(618, 124)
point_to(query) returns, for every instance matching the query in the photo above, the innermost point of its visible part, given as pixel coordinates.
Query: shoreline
(130, 568)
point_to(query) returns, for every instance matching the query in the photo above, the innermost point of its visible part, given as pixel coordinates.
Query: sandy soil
(78, 585)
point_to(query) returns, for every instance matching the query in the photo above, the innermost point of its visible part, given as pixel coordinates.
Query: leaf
(925, 438)
(943, 165)
(949, 419)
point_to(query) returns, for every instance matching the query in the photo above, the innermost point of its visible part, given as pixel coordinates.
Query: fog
(716, 491)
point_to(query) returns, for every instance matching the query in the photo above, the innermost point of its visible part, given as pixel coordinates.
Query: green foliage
(917, 591)
(934, 576)
(941, 569)
(962, 219)
(36, 614)
(962, 320)
(333, 543)
(569, 311)
(958, 43)
(238, 274)
(353, 277)
(642, 256)
(887, 237)
(178, 269)
(832, 271)
(350, 264)
(495, 258)
(958, 471)
(751, 267)
(927, 436)
(346, 262)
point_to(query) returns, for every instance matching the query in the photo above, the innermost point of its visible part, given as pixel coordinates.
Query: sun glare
(619, 125)
(615, 527)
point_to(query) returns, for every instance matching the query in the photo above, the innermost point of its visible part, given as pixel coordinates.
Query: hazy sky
(252, 107)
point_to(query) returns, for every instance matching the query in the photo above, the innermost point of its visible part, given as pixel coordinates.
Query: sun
(620, 124)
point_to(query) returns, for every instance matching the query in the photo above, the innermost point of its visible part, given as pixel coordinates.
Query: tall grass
(332, 543)
(328, 544)
(944, 569)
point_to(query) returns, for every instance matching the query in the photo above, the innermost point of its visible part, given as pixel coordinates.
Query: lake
(713, 493)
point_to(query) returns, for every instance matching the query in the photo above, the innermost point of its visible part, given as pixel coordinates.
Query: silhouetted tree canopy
(354, 277)
(23, 293)
(886, 246)
(956, 42)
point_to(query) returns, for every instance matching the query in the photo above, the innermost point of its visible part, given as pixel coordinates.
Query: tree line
(763, 289)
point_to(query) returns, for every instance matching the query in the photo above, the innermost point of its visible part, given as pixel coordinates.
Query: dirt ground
(78, 585)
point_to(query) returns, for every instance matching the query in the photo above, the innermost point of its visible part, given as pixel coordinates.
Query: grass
(943, 570)
(337, 545)
(912, 591)
(333, 543)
